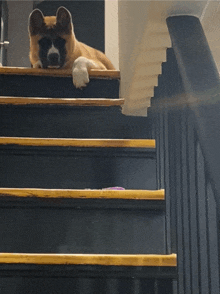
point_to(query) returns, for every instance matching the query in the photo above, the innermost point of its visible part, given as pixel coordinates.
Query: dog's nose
(53, 59)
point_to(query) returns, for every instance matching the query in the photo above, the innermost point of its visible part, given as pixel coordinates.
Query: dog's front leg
(80, 71)
(38, 64)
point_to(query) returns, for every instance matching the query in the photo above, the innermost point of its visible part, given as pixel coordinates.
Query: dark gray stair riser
(77, 168)
(156, 273)
(79, 230)
(71, 122)
(90, 285)
(7, 201)
(56, 87)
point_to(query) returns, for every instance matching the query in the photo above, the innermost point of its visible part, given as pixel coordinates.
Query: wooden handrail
(56, 142)
(90, 259)
(83, 194)
(93, 73)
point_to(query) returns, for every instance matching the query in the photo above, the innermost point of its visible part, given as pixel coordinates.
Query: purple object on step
(114, 188)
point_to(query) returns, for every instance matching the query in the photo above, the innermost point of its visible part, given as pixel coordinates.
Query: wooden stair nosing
(142, 260)
(65, 142)
(93, 73)
(83, 194)
(61, 101)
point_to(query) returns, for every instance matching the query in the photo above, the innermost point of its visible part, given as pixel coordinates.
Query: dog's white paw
(80, 71)
(80, 77)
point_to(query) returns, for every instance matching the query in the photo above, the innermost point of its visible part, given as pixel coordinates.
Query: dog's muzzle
(53, 59)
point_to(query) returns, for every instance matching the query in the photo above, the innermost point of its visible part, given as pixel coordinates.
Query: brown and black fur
(67, 51)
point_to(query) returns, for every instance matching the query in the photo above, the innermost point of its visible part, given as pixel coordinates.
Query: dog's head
(49, 36)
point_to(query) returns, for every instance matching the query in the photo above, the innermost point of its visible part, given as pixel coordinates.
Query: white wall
(18, 49)
(111, 31)
(211, 24)
(143, 39)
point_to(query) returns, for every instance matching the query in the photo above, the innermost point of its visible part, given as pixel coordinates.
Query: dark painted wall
(88, 19)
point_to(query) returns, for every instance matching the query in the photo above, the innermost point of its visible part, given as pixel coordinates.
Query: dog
(53, 45)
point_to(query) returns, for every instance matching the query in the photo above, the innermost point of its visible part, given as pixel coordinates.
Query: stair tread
(66, 142)
(90, 259)
(93, 73)
(86, 194)
(61, 101)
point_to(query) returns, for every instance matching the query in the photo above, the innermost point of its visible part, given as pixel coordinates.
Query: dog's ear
(36, 21)
(64, 19)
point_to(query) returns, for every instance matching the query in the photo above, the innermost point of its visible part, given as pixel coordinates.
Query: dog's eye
(59, 42)
(45, 42)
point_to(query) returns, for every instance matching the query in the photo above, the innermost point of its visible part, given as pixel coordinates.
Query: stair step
(90, 259)
(92, 143)
(69, 118)
(61, 101)
(150, 200)
(84, 280)
(86, 273)
(77, 163)
(93, 73)
(104, 222)
(29, 82)
(85, 194)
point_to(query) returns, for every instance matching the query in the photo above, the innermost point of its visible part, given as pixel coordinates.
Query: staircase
(62, 229)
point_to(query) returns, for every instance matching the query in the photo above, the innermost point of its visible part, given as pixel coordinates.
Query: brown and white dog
(53, 45)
